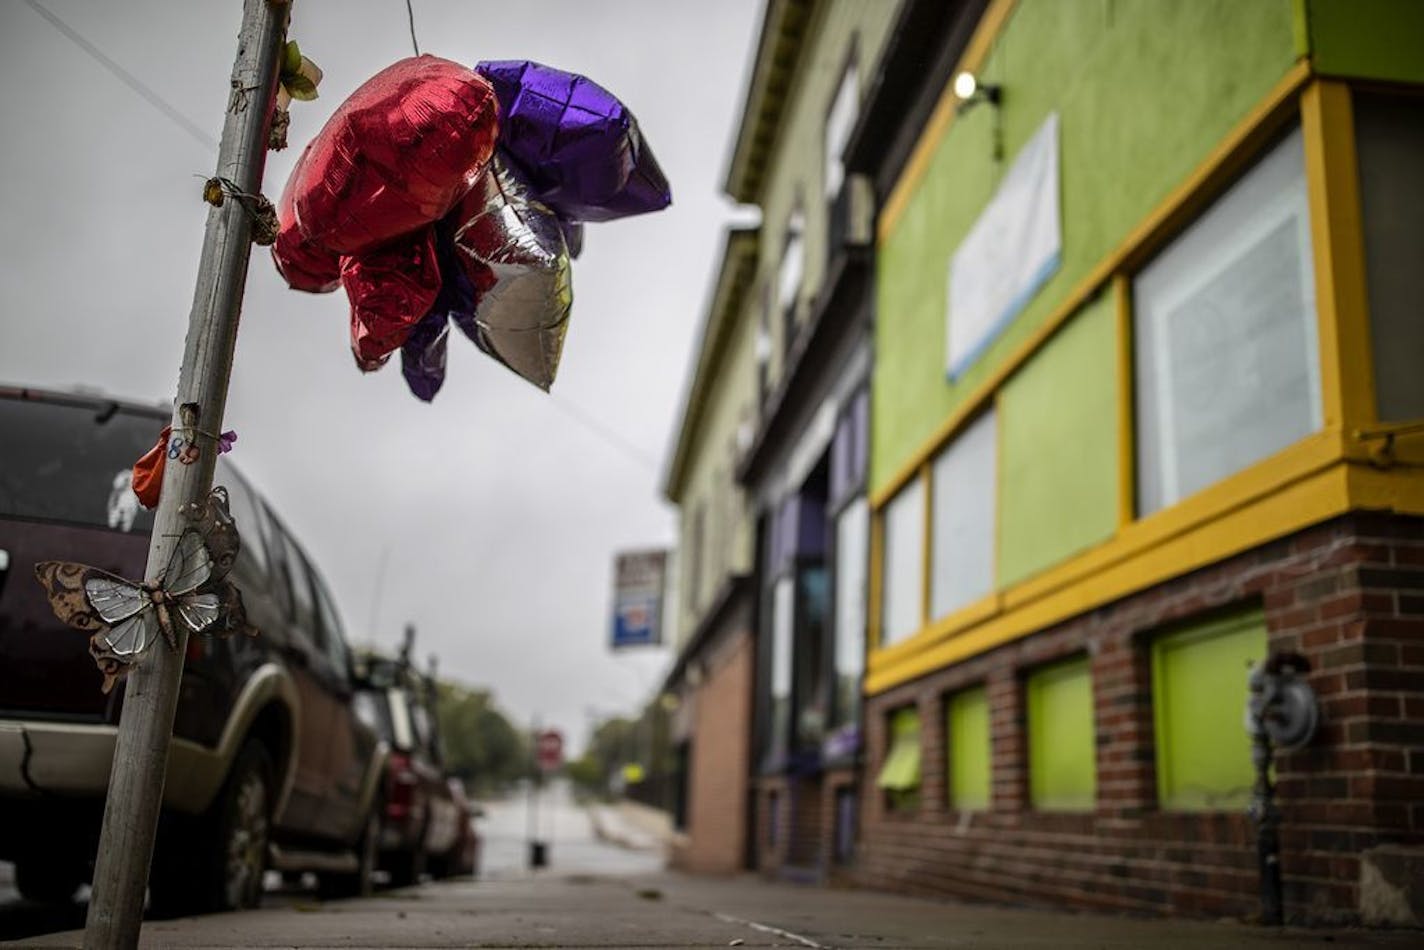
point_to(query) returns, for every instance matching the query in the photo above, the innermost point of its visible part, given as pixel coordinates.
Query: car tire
(217, 863)
(405, 867)
(48, 879)
(359, 883)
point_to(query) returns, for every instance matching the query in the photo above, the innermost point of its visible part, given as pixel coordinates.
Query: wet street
(567, 828)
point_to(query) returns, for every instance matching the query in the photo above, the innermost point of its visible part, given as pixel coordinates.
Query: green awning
(901, 770)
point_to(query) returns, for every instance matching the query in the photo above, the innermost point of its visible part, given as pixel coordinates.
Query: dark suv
(268, 766)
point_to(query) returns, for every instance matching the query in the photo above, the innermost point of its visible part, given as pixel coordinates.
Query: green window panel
(901, 770)
(1062, 756)
(1058, 468)
(969, 758)
(1198, 697)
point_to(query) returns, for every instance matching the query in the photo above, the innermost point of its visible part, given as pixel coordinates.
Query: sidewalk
(629, 824)
(678, 911)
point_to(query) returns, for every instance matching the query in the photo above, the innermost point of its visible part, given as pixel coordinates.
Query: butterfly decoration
(124, 617)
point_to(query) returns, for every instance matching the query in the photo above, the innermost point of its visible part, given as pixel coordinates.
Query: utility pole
(151, 695)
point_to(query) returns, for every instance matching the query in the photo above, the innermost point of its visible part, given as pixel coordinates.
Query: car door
(350, 743)
(305, 662)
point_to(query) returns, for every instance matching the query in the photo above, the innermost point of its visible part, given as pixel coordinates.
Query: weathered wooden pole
(151, 696)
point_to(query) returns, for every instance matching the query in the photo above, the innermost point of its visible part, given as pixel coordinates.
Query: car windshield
(73, 463)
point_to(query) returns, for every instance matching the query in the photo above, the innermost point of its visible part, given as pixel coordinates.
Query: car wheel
(245, 825)
(217, 862)
(360, 883)
(48, 880)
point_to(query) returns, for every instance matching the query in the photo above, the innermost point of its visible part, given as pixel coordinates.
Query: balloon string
(410, 15)
(224, 440)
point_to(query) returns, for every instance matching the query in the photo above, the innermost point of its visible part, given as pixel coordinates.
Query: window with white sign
(1012, 249)
(962, 494)
(901, 585)
(1228, 370)
(840, 120)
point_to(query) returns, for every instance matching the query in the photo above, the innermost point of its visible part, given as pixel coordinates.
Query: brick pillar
(1122, 702)
(1009, 727)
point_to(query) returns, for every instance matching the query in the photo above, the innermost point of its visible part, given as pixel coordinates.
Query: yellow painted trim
(1126, 403)
(991, 24)
(1395, 489)
(1135, 543)
(965, 617)
(1177, 209)
(1337, 239)
(1272, 474)
(1290, 508)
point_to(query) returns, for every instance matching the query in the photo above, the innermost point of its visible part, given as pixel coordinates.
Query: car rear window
(371, 708)
(73, 463)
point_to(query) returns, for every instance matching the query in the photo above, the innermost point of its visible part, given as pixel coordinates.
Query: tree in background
(482, 747)
(612, 745)
(632, 757)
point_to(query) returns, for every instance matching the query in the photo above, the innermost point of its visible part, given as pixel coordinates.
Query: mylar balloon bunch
(437, 193)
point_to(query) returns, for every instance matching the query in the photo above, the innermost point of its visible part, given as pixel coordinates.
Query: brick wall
(715, 836)
(1348, 594)
(773, 810)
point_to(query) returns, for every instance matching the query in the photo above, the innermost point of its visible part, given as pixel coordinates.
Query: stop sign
(549, 750)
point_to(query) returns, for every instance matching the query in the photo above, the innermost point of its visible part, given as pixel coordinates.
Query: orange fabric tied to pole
(148, 471)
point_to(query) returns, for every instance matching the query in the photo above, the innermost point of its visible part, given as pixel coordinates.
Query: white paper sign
(1012, 249)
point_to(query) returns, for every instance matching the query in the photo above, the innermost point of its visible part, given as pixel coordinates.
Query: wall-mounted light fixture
(969, 90)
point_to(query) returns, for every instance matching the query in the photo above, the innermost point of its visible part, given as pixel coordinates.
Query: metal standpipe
(1267, 817)
(1281, 713)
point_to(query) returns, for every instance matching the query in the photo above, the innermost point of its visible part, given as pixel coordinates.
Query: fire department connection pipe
(1281, 713)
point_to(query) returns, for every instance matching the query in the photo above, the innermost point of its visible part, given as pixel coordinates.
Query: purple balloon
(573, 141)
(423, 355)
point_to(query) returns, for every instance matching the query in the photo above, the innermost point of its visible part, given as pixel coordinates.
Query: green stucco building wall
(1144, 91)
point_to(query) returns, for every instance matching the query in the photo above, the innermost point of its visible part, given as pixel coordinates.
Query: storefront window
(962, 561)
(852, 551)
(1390, 135)
(1228, 370)
(901, 585)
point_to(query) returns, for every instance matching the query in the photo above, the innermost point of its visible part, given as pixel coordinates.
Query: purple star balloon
(577, 146)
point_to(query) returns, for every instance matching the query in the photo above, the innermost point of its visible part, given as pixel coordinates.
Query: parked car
(269, 765)
(464, 858)
(421, 829)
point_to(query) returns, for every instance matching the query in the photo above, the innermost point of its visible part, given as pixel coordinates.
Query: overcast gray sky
(496, 510)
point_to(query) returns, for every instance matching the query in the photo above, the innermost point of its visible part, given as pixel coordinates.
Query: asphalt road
(565, 827)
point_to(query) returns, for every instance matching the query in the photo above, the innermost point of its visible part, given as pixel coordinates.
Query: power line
(410, 15)
(126, 77)
(609, 436)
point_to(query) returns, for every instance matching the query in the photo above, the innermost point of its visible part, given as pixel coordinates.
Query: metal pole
(150, 698)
